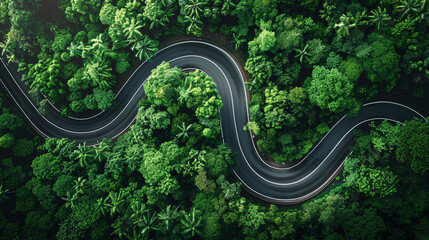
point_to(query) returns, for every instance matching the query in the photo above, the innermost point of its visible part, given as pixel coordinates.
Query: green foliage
(44, 75)
(122, 63)
(376, 182)
(331, 90)
(144, 47)
(291, 37)
(351, 68)
(344, 25)
(46, 166)
(413, 147)
(264, 42)
(252, 219)
(191, 223)
(4, 11)
(260, 68)
(276, 114)
(169, 176)
(155, 168)
(39, 220)
(25, 200)
(161, 87)
(11, 175)
(202, 183)
(62, 185)
(62, 39)
(378, 17)
(158, 13)
(333, 60)
(261, 8)
(7, 140)
(382, 62)
(43, 193)
(103, 98)
(316, 51)
(362, 223)
(99, 74)
(23, 147)
(10, 121)
(107, 13)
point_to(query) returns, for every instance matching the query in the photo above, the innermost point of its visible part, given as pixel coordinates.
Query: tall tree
(83, 154)
(115, 202)
(145, 48)
(185, 131)
(378, 17)
(132, 28)
(408, 6)
(191, 223)
(344, 26)
(168, 216)
(194, 8)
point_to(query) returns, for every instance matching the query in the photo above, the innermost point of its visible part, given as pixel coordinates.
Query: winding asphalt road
(278, 185)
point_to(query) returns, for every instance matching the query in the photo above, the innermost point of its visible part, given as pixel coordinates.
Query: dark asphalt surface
(283, 186)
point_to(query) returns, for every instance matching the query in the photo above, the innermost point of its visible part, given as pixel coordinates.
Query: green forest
(308, 63)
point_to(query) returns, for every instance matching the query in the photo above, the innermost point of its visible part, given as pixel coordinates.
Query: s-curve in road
(282, 186)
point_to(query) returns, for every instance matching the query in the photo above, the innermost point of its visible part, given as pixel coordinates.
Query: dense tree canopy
(413, 147)
(169, 176)
(331, 90)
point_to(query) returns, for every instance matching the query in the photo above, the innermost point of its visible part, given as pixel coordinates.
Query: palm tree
(166, 3)
(227, 6)
(194, 25)
(378, 144)
(84, 50)
(191, 223)
(122, 227)
(379, 16)
(97, 42)
(83, 153)
(6, 47)
(100, 74)
(148, 223)
(408, 6)
(344, 26)
(74, 50)
(101, 151)
(145, 47)
(101, 205)
(302, 53)
(115, 202)
(185, 131)
(69, 199)
(131, 6)
(423, 10)
(238, 41)
(132, 28)
(158, 21)
(185, 90)
(143, 218)
(79, 184)
(168, 216)
(194, 8)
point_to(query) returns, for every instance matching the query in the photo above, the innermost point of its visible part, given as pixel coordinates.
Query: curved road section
(277, 185)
